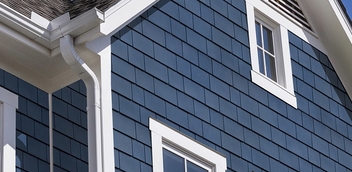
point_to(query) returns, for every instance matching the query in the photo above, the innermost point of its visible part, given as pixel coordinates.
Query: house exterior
(169, 85)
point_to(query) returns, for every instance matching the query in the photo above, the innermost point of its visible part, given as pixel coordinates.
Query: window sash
(266, 50)
(187, 157)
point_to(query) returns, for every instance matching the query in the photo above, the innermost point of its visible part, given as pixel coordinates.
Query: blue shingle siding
(187, 64)
(32, 144)
(32, 126)
(70, 128)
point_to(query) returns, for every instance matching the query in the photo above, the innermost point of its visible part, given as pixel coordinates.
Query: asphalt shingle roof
(51, 9)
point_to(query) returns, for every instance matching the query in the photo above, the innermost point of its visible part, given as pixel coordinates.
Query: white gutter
(93, 102)
(79, 24)
(42, 37)
(11, 18)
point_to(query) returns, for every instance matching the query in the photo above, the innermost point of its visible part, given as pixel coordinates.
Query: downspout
(93, 102)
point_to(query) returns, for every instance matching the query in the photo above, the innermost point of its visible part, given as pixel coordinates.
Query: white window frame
(8, 106)
(283, 88)
(277, 53)
(165, 137)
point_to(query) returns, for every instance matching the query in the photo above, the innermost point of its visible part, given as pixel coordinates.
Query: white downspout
(93, 102)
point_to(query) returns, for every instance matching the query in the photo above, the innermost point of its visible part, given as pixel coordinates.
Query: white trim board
(8, 106)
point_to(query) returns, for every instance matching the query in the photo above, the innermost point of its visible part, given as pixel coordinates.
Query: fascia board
(123, 13)
(10, 32)
(342, 18)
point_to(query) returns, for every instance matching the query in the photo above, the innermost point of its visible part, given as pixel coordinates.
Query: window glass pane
(268, 40)
(258, 33)
(270, 66)
(261, 61)
(172, 162)
(194, 168)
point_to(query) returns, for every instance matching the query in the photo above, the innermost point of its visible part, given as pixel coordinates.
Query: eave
(30, 47)
(333, 28)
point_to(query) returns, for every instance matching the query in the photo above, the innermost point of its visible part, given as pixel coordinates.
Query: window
(266, 51)
(270, 54)
(8, 106)
(174, 152)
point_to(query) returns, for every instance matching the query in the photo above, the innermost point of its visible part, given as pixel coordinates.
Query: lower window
(174, 152)
(175, 161)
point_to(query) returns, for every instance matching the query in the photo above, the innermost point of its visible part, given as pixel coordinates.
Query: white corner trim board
(102, 46)
(162, 136)
(8, 106)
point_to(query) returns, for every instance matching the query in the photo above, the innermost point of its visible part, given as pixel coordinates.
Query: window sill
(274, 88)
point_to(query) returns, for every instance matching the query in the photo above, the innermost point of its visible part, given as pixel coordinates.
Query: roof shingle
(50, 9)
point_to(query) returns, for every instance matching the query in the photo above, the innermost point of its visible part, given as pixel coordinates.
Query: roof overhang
(29, 48)
(332, 27)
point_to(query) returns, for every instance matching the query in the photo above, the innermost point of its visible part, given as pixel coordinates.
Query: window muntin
(194, 156)
(266, 50)
(175, 163)
(178, 160)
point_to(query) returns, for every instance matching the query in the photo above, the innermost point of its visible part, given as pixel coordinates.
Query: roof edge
(12, 18)
(334, 30)
(119, 15)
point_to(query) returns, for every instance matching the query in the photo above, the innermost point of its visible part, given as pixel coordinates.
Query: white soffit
(333, 28)
(32, 54)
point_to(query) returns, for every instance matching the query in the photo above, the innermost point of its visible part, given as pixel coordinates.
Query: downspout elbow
(76, 63)
(93, 101)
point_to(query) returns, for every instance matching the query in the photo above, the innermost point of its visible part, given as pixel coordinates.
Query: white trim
(274, 88)
(161, 133)
(342, 18)
(123, 13)
(102, 46)
(284, 88)
(9, 104)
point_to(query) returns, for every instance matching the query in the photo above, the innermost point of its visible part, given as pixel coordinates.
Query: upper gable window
(174, 152)
(270, 55)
